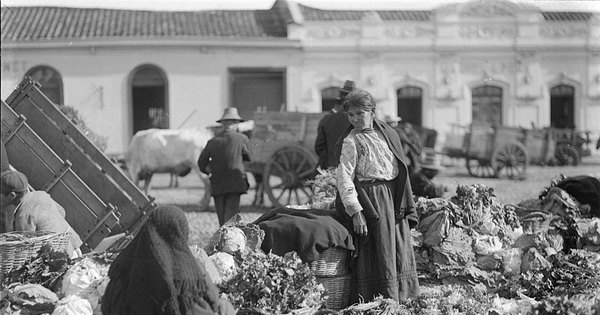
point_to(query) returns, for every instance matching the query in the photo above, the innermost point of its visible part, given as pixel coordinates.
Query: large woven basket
(18, 247)
(331, 263)
(338, 289)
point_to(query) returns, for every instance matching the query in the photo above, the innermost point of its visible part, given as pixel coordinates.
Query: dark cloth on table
(384, 259)
(307, 232)
(157, 273)
(586, 189)
(330, 129)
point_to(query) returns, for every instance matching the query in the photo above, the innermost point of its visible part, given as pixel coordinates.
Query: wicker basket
(18, 247)
(338, 289)
(331, 263)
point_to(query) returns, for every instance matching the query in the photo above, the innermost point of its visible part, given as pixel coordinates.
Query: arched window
(50, 81)
(487, 105)
(329, 96)
(410, 104)
(562, 106)
(149, 98)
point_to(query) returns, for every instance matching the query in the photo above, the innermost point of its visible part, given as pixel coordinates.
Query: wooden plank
(69, 191)
(38, 99)
(87, 170)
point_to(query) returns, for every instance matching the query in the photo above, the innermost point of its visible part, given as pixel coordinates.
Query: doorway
(562, 106)
(487, 105)
(149, 98)
(257, 89)
(410, 104)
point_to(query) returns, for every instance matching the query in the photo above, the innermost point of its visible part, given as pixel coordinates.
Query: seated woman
(157, 273)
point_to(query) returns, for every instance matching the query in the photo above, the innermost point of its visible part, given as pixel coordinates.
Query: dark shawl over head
(157, 273)
(403, 198)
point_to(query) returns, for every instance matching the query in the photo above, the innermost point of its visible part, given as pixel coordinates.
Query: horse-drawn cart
(284, 156)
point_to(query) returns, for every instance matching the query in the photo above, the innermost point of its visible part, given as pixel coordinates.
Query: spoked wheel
(567, 155)
(286, 174)
(480, 168)
(510, 160)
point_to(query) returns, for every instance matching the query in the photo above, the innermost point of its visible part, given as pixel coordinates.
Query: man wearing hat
(36, 210)
(331, 127)
(223, 160)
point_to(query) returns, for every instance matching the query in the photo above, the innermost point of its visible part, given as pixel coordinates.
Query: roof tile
(47, 23)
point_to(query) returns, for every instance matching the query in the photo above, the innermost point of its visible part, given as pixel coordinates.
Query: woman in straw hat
(223, 160)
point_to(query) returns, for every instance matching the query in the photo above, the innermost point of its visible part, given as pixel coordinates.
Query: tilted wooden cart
(284, 156)
(58, 158)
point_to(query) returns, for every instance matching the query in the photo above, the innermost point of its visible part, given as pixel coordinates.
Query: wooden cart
(571, 145)
(506, 151)
(56, 157)
(491, 151)
(284, 156)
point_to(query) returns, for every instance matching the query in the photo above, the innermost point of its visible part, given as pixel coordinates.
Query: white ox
(174, 151)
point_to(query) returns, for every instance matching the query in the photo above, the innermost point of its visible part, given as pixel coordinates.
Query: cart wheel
(567, 155)
(480, 168)
(285, 176)
(510, 160)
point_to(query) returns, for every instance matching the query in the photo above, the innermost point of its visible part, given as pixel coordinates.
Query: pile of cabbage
(518, 253)
(253, 279)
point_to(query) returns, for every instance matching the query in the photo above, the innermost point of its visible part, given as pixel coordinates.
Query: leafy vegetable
(273, 284)
(45, 269)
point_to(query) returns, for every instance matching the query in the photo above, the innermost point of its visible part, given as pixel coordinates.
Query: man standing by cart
(223, 160)
(331, 128)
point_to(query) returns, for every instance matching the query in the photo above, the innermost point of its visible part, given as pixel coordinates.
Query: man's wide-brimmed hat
(348, 87)
(231, 113)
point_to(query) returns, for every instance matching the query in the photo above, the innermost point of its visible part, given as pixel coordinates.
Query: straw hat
(231, 113)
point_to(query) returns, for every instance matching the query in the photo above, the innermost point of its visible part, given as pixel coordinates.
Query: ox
(174, 151)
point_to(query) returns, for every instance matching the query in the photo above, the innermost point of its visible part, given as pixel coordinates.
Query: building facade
(484, 61)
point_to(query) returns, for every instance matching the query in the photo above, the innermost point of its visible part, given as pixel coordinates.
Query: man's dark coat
(330, 129)
(224, 158)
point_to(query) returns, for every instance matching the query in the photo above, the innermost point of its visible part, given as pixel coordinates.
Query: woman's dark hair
(360, 99)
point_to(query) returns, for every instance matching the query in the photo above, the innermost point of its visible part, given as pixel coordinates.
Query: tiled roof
(567, 16)
(312, 14)
(48, 23)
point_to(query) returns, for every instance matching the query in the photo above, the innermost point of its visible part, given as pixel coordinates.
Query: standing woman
(376, 204)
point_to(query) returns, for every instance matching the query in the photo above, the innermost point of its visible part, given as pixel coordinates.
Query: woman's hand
(360, 223)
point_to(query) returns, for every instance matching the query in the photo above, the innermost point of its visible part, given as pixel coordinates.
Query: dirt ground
(204, 223)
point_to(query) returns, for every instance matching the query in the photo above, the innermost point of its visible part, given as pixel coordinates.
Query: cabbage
(229, 239)
(225, 264)
(86, 279)
(73, 305)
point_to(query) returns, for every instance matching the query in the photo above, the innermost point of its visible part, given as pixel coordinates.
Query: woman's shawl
(403, 198)
(157, 273)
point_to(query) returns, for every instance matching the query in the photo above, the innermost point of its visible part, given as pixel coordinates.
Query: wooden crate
(95, 192)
